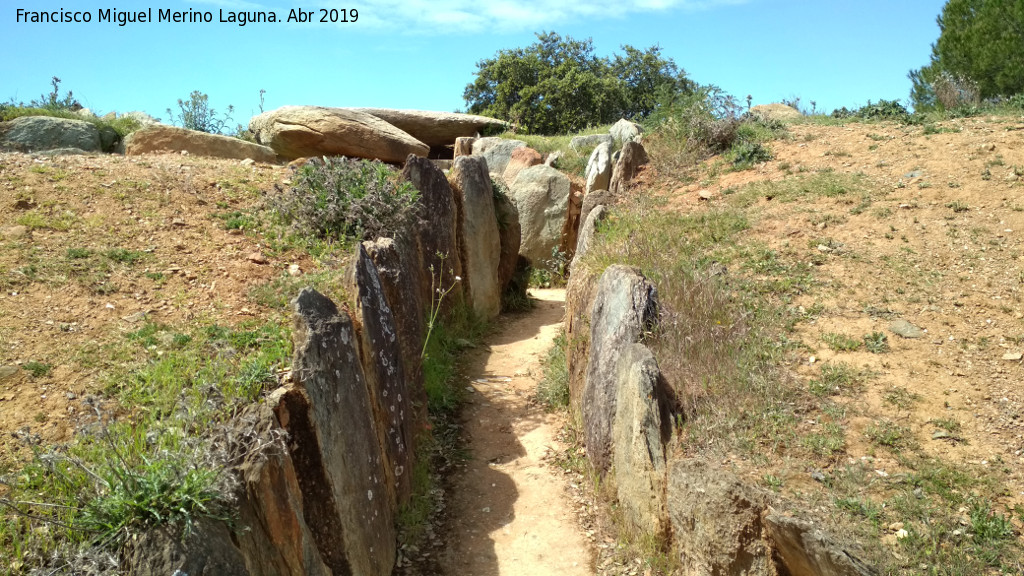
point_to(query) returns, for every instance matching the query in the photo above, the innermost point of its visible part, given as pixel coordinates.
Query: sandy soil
(510, 513)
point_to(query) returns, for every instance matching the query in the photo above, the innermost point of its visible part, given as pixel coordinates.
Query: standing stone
(593, 200)
(630, 159)
(479, 241)
(541, 193)
(333, 443)
(497, 152)
(580, 144)
(639, 435)
(40, 133)
(625, 131)
(807, 551)
(625, 307)
(464, 146)
(511, 234)
(571, 225)
(521, 159)
(441, 261)
(587, 232)
(599, 168)
(385, 377)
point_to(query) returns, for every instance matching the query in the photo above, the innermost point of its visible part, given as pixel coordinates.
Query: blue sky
(421, 54)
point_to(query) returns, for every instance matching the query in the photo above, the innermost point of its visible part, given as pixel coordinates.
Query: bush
(345, 199)
(196, 114)
(883, 110)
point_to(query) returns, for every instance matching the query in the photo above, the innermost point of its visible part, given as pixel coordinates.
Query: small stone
(294, 270)
(704, 195)
(13, 232)
(7, 371)
(247, 162)
(257, 258)
(1013, 356)
(177, 222)
(896, 526)
(901, 534)
(905, 329)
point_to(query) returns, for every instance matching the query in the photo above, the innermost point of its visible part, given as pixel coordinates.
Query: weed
(901, 398)
(958, 206)
(840, 342)
(836, 378)
(553, 388)
(196, 114)
(876, 342)
(889, 435)
(827, 443)
(37, 369)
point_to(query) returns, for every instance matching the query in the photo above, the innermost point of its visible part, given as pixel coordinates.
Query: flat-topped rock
(434, 128)
(158, 138)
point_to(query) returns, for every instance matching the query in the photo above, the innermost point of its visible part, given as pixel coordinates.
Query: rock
(207, 550)
(579, 303)
(435, 129)
(158, 138)
(255, 257)
(510, 233)
(593, 200)
(140, 117)
(625, 307)
(294, 270)
(435, 231)
(587, 232)
(247, 162)
(705, 195)
(61, 152)
(497, 152)
(599, 168)
(13, 232)
(716, 521)
(806, 551)
(521, 159)
(110, 140)
(903, 328)
(384, 369)
(332, 441)
(1013, 356)
(272, 530)
(776, 111)
(7, 372)
(553, 158)
(38, 133)
(299, 131)
(571, 224)
(479, 241)
(581, 144)
(463, 146)
(631, 158)
(541, 194)
(625, 131)
(641, 430)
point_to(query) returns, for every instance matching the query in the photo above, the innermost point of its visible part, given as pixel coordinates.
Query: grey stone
(109, 138)
(807, 551)
(625, 307)
(497, 152)
(206, 551)
(16, 232)
(716, 521)
(384, 369)
(435, 129)
(303, 131)
(37, 133)
(338, 459)
(7, 372)
(158, 138)
(61, 152)
(511, 234)
(625, 131)
(904, 328)
(593, 200)
(599, 168)
(587, 232)
(581, 144)
(541, 194)
(479, 241)
(627, 165)
(640, 433)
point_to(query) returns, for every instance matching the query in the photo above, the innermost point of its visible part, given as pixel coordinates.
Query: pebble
(257, 258)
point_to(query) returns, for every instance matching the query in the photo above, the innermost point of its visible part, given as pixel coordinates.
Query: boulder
(780, 112)
(541, 194)
(38, 133)
(579, 303)
(435, 129)
(807, 551)
(716, 521)
(386, 380)
(441, 261)
(625, 307)
(159, 138)
(273, 533)
(599, 168)
(593, 200)
(463, 146)
(497, 152)
(627, 165)
(625, 131)
(580, 144)
(333, 444)
(207, 550)
(571, 225)
(479, 241)
(303, 131)
(521, 159)
(511, 235)
(641, 430)
(587, 232)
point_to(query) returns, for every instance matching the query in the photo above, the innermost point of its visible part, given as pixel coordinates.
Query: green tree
(559, 85)
(979, 55)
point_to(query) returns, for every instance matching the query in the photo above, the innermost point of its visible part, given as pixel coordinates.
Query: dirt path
(510, 513)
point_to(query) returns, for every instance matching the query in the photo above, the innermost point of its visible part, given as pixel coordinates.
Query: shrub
(344, 199)
(196, 114)
(553, 388)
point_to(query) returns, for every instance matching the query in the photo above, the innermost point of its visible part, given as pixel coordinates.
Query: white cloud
(481, 16)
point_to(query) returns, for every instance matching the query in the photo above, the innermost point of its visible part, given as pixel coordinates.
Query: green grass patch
(553, 387)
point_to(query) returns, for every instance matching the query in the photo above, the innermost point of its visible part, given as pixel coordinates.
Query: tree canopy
(979, 55)
(559, 85)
